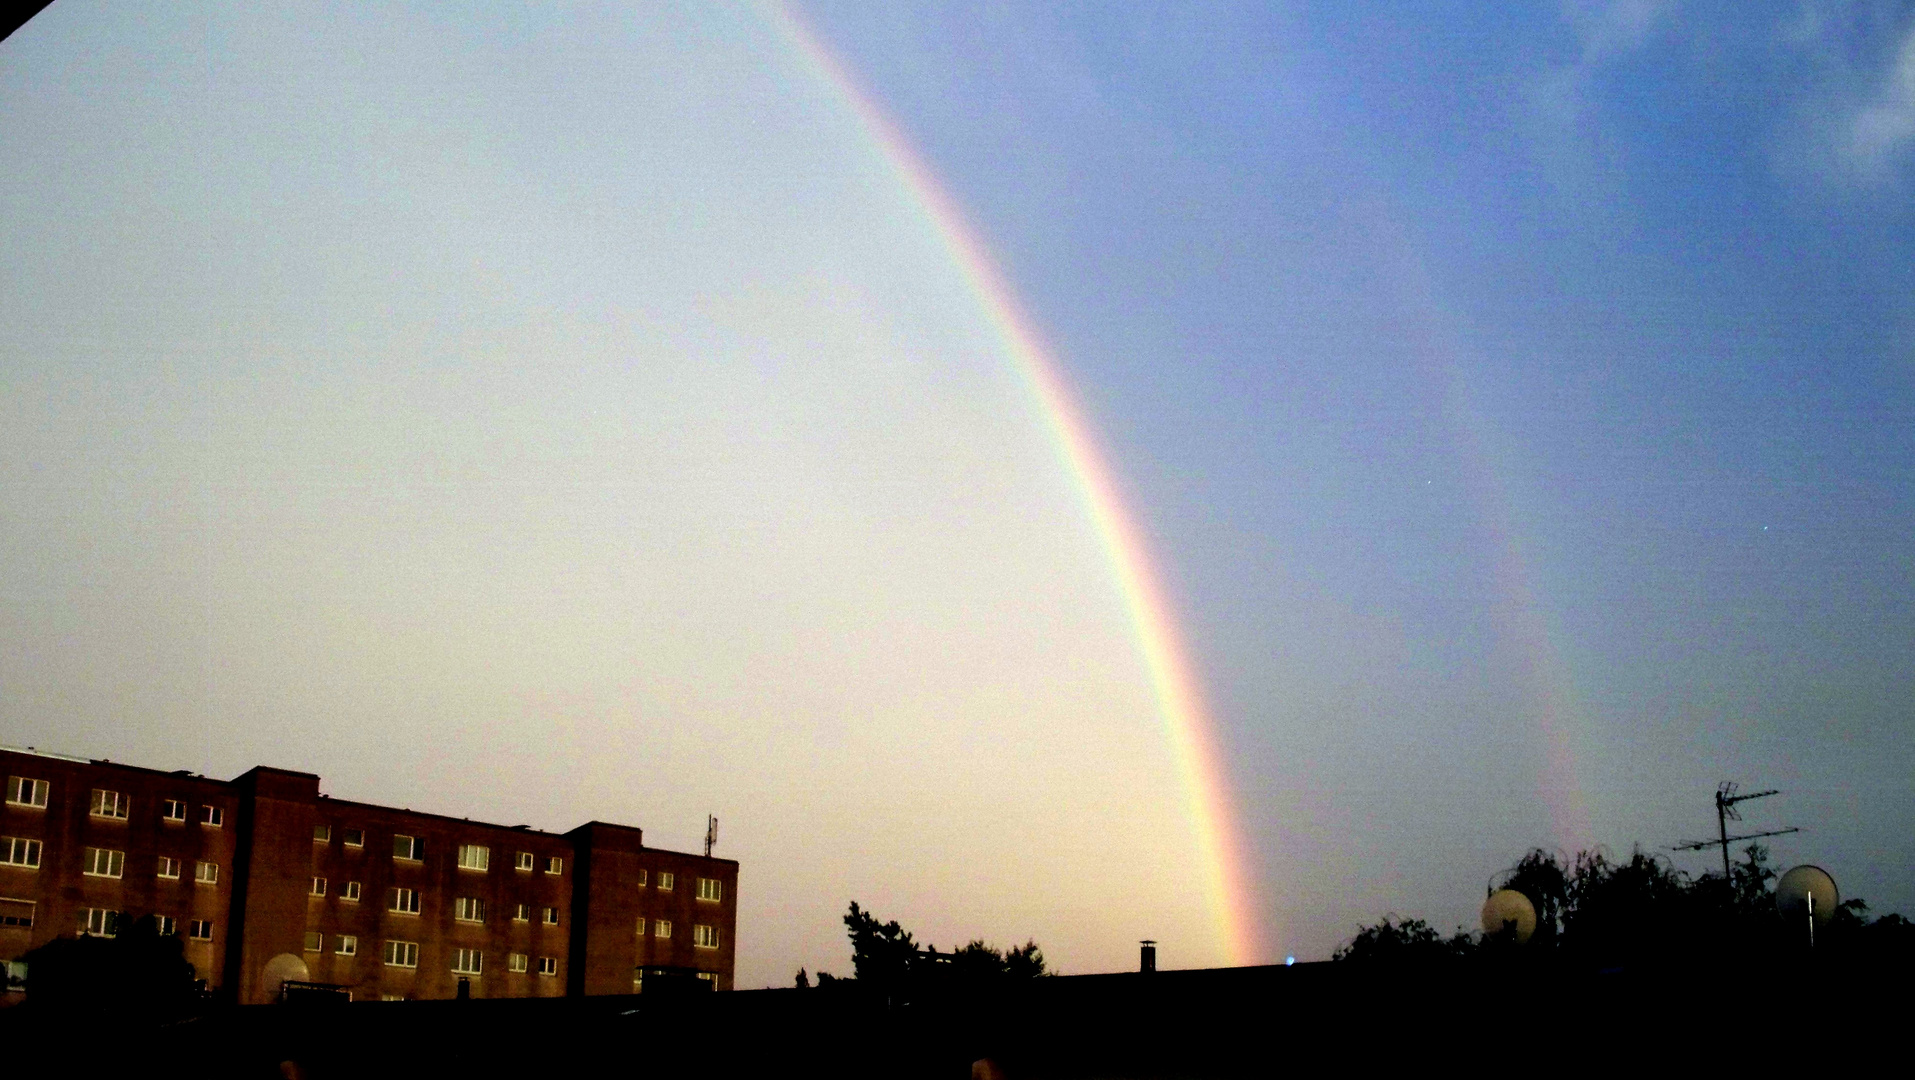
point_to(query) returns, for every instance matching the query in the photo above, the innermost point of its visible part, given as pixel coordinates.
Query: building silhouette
(267, 880)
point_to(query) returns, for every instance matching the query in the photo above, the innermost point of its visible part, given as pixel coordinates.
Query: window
(345, 944)
(467, 962)
(711, 889)
(315, 941)
(404, 901)
(212, 817)
(475, 857)
(521, 912)
(109, 804)
(704, 937)
(350, 892)
(408, 847)
(641, 926)
(522, 861)
(166, 925)
(319, 886)
(322, 834)
(708, 976)
(26, 791)
(468, 909)
(548, 965)
(200, 930)
(17, 913)
(642, 874)
(661, 928)
(19, 851)
(666, 879)
(169, 868)
(554, 864)
(551, 916)
(402, 954)
(101, 862)
(173, 811)
(99, 922)
(515, 962)
(206, 873)
(354, 837)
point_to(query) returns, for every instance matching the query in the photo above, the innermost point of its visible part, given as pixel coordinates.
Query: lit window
(169, 868)
(408, 847)
(403, 954)
(20, 851)
(551, 916)
(641, 879)
(212, 817)
(523, 861)
(322, 834)
(475, 857)
(165, 924)
(666, 879)
(467, 962)
(704, 937)
(100, 922)
(522, 913)
(641, 926)
(206, 873)
(101, 862)
(515, 962)
(554, 865)
(200, 930)
(468, 909)
(707, 976)
(315, 941)
(26, 791)
(345, 944)
(109, 804)
(173, 811)
(354, 837)
(350, 892)
(661, 928)
(711, 889)
(319, 886)
(548, 965)
(404, 901)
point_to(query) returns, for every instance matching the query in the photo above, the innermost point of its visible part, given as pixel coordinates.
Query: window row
(99, 862)
(703, 936)
(105, 922)
(710, 889)
(112, 805)
(469, 856)
(405, 954)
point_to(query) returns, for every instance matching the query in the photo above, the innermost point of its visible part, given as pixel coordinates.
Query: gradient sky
(547, 415)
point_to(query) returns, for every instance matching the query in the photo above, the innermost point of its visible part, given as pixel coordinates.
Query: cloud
(1880, 132)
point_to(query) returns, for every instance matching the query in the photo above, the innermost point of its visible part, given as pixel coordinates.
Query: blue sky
(548, 415)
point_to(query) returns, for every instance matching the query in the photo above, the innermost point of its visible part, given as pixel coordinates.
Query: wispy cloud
(1879, 135)
(1856, 126)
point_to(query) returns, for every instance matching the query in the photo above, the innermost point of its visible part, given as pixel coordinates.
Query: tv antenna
(1727, 796)
(711, 834)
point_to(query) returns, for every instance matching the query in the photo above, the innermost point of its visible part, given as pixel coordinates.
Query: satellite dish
(282, 969)
(1807, 891)
(1506, 906)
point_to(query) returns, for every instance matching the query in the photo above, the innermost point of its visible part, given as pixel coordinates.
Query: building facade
(265, 879)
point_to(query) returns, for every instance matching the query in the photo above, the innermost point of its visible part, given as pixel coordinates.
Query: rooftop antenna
(1727, 796)
(711, 834)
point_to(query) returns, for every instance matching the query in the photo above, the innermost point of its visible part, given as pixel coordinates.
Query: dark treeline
(888, 962)
(1600, 912)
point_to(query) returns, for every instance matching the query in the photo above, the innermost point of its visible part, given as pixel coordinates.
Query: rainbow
(1179, 702)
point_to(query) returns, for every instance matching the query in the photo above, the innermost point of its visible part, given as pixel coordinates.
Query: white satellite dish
(282, 969)
(1807, 893)
(1507, 906)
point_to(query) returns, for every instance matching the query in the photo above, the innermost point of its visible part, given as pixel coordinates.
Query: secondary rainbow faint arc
(1173, 681)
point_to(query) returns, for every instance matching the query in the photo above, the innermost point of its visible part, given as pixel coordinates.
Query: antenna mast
(711, 833)
(1727, 796)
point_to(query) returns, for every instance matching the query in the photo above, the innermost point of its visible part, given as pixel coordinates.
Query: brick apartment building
(266, 879)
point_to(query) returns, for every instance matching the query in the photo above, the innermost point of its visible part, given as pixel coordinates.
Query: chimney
(1148, 961)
